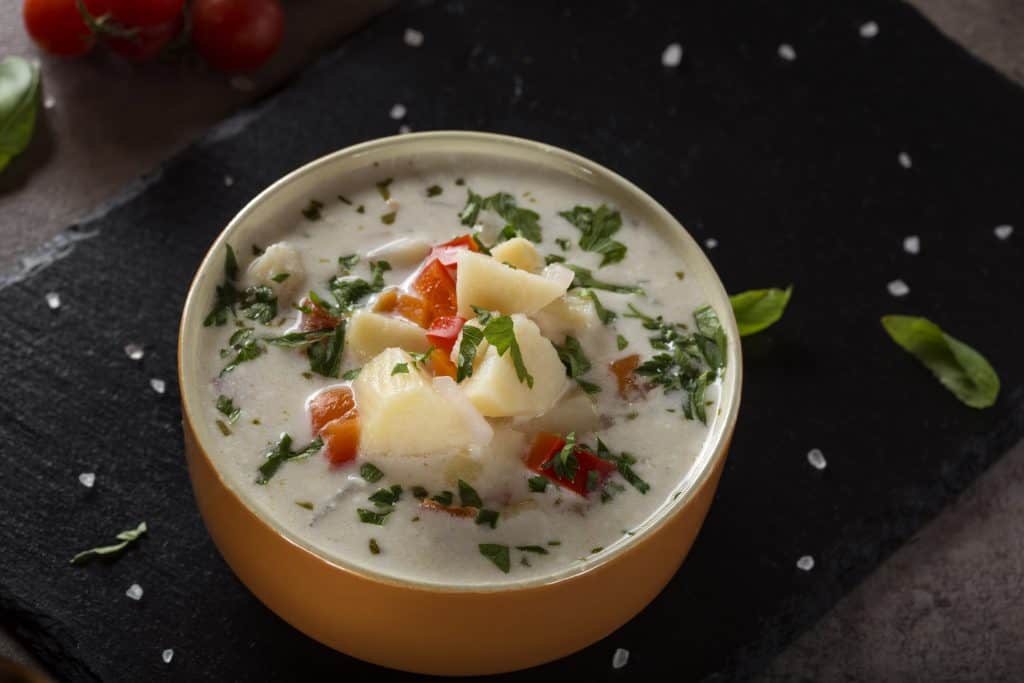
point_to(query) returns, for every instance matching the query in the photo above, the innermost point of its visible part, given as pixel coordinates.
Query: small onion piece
(559, 274)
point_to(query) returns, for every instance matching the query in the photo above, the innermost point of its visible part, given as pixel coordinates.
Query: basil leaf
(281, 453)
(585, 278)
(500, 334)
(959, 368)
(126, 538)
(325, 354)
(758, 309)
(471, 338)
(370, 472)
(597, 227)
(498, 554)
(468, 496)
(19, 102)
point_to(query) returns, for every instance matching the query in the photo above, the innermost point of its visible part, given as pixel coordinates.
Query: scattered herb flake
(498, 554)
(597, 227)
(312, 210)
(468, 497)
(351, 374)
(606, 316)
(621, 342)
(384, 188)
(418, 492)
(387, 497)
(224, 429)
(374, 547)
(489, 517)
(500, 334)
(281, 453)
(227, 407)
(538, 484)
(537, 549)
(624, 462)
(370, 472)
(372, 517)
(304, 504)
(388, 218)
(281, 277)
(585, 278)
(553, 258)
(125, 538)
(347, 263)
(565, 463)
(226, 295)
(518, 221)
(471, 338)
(360, 209)
(400, 369)
(434, 190)
(344, 200)
(563, 243)
(444, 498)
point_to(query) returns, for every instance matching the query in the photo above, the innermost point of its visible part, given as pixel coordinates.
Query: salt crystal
(711, 243)
(806, 563)
(228, 181)
(905, 160)
(673, 55)
(49, 102)
(912, 244)
(242, 83)
(398, 112)
(53, 300)
(412, 37)
(620, 658)
(868, 29)
(134, 351)
(167, 655)
(403, 129)
(898, 288)
(159, 386)
(816, 458)
(787, 52)
(1003, 232)
(87, 479)
(134, 591)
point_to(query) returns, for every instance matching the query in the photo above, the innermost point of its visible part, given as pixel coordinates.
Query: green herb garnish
(344, 200)
(351, 374)
(125, 538)
(759, 308)
(434, 190)
(227, 408)
(418, 492)
(621, 342)
(538, 484)
(585, 278)
(281, 277)
(623, 462)
(388, 218)
(565, 464)
(500, 334)
(387, 497)
(400, 369)
(576, 363)
(471, 338)
(959, 368)
(384, 188)
(372, 517)
(347, 263)
(489, 517)
(606, 316)
(325, 354)
(259, 303)
(554, 543)
(360, 209)
(374, 547)
(224, 429)
(537, 549)
(226, 295)
(445, 498)
(468, 497)
(482, 314)
(246, 348)
(312, 210)
(597, 227)
(370, 472)
(498, 554)
(282, 452)
(563, 243)
(553, 258)
(518, 221)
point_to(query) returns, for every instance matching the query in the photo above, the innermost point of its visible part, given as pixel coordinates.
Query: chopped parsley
(372, 517)
(374, 547)
(227, 408)
(312, 210)
(418, 492)
(434, 190)
(125, 538)
(538, 484)
(471, 338)
(400, 369)
(360, 209)
(384, 188)
(498, 554)
(281, 277)
(351, 374)
(370, 472)
(245, 348)
(606, 316)
(347, 263)
(597, 227)
(422, 358)
(224, 429)
(576, 363)
(468, 497)
(344, 200)
(304, 504)
(325, 354)
(388, 218)
(482, 314)
(226, 296)
(387, 497)
(259, 303)
(563, 243)
(281, 453)
(553, 258)
(585, 278)
(621, 342)
(518, 221)
(537, 549)
(624, 462)
(489, 517)
(565, 464)
(444, 498)
(554, 543)
(500, 334)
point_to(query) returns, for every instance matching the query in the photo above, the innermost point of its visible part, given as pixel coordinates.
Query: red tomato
(142, 13)
(546, 446)
(147, 43)
(58, 27)
(236, 35)
(436, 286)
(444, 331)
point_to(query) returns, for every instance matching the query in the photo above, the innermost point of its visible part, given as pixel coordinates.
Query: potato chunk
(486, 282)
(404, 252)
(567, 315)
(495, 388)
(370, 333)
(280, 268)
(518, 252)
(403, 414)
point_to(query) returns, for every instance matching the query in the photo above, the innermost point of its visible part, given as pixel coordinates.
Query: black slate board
(790, 165)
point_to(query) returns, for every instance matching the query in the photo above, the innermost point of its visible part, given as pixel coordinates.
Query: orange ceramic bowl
(541, 619)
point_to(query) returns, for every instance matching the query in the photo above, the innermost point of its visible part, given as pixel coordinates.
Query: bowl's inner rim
(491, 145)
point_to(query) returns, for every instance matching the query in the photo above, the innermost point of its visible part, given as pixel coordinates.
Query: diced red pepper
(329, 405)
(546, 446)
(448, 253)
(414, 309)
(341, 439)
(444, 331)
(316, 319)
(386, 302)
(442, 365)
(436, 286)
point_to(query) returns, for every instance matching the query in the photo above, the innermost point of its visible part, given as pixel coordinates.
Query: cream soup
(459, 371)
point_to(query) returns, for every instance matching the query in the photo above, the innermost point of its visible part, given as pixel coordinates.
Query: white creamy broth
(317, 503)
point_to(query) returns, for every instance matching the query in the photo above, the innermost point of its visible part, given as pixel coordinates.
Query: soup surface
(458, 370)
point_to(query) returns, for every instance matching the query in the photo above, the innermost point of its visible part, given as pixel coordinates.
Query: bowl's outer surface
(524, 625)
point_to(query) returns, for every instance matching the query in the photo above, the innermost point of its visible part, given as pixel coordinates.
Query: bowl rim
(722, 430)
